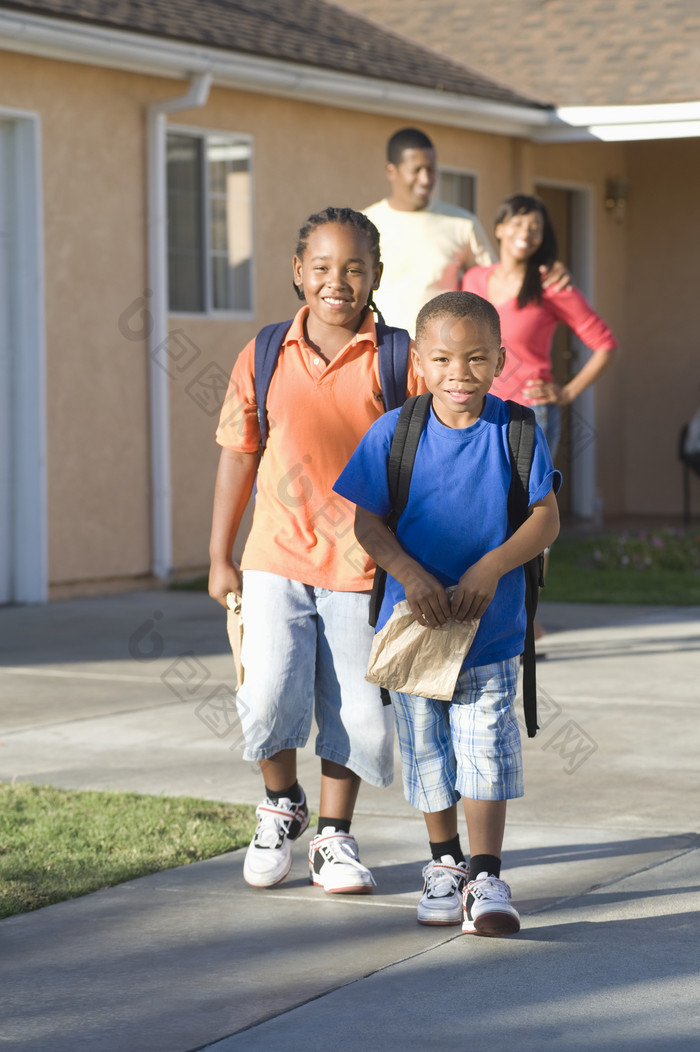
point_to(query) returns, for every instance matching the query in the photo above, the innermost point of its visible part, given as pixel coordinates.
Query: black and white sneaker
(268, 859)
(487, 908)
(443, 883)
(335, 866)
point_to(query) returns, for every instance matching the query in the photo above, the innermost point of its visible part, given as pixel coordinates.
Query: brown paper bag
(412, 659)
(234, 624)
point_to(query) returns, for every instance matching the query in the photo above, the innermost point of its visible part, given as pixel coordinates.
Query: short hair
(346, 217)
(546, 254)
(457, 305)
(406, 139)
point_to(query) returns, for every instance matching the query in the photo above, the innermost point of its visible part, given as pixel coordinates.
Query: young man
(455, 532)
(426, 245)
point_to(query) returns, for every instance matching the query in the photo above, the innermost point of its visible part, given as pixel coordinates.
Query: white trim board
(27, 429)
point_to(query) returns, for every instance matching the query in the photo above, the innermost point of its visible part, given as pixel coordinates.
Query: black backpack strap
(402, 455)
(268, 344)
(392, 347)
(521, 444)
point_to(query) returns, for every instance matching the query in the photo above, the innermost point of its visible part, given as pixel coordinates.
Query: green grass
(56, 844)
(657, 566)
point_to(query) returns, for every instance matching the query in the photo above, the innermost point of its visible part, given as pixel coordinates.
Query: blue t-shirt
(457, 511)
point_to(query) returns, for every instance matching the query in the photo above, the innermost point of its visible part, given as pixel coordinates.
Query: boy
(454, 531)
(426, 244)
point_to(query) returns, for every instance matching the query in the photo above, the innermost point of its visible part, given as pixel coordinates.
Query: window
(457, 188)
(210, 243)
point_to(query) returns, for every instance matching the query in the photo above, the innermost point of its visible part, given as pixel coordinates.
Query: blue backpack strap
(521, 445)
(392, 347)
(268, 344)
(402, 455)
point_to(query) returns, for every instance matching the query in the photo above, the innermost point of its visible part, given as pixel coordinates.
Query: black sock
(447, 847)
(484, 864)
(341, 825)
(295, 793)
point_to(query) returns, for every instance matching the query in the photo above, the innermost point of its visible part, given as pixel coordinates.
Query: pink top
(527, 334)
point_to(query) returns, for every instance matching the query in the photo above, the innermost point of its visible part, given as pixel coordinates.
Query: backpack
(392, 348)
(521, 444)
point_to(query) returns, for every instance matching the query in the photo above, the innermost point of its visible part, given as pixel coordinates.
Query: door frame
(27, 428)
(583, 465)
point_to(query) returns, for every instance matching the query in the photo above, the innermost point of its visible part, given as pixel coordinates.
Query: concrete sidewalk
(130, 692)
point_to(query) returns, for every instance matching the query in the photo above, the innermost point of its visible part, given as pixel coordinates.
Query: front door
(569, 209)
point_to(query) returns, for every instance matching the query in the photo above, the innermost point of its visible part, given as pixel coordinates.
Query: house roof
(311, 32)
(567, 52)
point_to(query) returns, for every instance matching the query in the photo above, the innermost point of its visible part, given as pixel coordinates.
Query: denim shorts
(305, 652)
(467, 747)
(549, 419)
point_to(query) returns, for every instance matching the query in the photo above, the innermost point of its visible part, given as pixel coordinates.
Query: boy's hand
(474, 591)
(224, 578)
(427, 598)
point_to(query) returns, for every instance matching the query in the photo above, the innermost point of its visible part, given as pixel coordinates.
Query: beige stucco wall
(305, 157)
(662, 374)
(94, 208)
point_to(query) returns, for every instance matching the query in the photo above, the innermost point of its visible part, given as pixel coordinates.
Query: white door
(6, 382)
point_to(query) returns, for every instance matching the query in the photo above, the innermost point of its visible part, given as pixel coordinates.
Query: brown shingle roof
(569, 52)
(312, 32)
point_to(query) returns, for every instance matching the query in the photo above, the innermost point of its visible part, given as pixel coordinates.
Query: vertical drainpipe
(159, 381)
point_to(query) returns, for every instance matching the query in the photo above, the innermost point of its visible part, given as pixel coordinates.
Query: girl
(530, 314)
(305, 581)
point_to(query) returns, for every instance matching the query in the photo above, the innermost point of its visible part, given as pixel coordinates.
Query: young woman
(530, 314)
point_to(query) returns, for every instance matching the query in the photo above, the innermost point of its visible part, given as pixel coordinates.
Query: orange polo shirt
(317, 413)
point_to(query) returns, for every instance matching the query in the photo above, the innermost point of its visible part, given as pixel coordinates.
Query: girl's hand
(224, 578)
(475, 590)
(427, 598)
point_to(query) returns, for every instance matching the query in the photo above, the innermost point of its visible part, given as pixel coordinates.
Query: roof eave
(670, 120)
(84, 42)
(91, 44)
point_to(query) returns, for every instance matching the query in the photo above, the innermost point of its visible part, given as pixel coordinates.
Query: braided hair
(346, 217)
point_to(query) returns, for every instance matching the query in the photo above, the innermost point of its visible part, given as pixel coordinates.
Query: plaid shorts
(469, 746)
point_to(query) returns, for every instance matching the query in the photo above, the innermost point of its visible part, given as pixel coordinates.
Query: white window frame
(209, 310)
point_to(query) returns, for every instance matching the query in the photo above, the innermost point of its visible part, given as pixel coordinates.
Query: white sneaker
(334, 864)
(268, 859)
(443, 883)
(487, 908)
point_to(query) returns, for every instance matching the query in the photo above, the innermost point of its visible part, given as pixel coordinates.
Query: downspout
(159, 381)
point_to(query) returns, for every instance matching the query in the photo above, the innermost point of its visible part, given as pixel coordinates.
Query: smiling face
(412, 180)
(458, 358)
(521, 235)
(337, 273)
